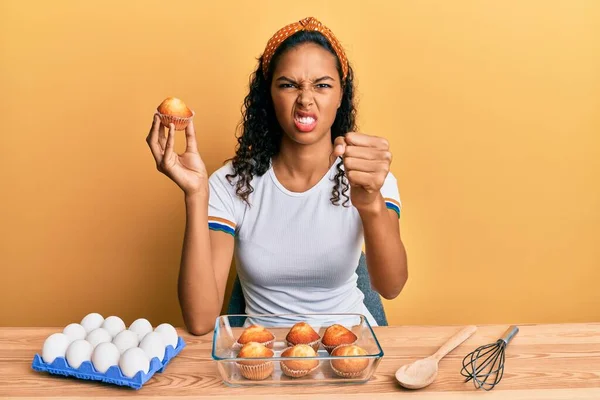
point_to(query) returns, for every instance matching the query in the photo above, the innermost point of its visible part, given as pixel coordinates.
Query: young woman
(301, 196)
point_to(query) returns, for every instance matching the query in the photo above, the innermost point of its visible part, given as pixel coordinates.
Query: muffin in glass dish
(349, 367)
(258, 334)
(303, 333)
(256, 370)
(299, 368)
(337, 335)
(174, 111)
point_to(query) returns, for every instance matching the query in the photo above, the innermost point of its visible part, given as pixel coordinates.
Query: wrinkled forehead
(306, 61)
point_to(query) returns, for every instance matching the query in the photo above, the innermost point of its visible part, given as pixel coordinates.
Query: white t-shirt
(295, 253)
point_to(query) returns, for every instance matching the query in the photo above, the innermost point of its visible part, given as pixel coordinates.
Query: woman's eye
(286, 85)
(323, 85)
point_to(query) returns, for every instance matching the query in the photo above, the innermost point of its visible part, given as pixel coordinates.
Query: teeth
(306, 120)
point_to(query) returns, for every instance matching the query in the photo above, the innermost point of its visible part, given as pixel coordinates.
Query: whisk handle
(509, 334)
(454, 341)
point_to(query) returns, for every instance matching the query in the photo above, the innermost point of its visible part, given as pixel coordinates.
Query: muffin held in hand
(255, 370)
(258, 334)
(349, 367)
(303, 333)
(299, 368)
(172, 110)
(336, 335)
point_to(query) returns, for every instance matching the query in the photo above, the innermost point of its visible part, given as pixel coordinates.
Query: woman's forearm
(386, 256)
(199, 295)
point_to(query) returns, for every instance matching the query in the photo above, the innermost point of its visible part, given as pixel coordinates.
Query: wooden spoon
(423, 372)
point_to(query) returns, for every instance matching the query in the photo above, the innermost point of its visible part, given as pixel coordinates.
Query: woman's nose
(305, 98)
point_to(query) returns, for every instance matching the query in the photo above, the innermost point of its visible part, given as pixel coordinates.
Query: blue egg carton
(113, 375)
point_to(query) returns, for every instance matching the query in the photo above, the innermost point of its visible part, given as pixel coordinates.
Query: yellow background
(491, 108)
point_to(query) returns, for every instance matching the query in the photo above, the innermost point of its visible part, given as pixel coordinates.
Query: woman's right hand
(187, 170)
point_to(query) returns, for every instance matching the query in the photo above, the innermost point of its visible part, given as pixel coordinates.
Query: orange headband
(307, 24)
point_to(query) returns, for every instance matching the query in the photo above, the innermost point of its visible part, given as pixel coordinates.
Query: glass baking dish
(224, 349)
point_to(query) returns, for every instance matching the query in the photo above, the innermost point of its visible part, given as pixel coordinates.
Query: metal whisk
(487, 362)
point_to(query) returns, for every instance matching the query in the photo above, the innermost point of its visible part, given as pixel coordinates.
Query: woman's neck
(299, 167)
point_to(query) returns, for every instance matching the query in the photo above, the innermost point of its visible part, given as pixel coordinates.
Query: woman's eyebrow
(321, 79)
(324, 78)
(285, 79)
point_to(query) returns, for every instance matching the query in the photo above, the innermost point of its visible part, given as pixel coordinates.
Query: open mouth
(304, 121)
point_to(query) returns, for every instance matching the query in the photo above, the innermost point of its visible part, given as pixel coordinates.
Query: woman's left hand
(367, 161)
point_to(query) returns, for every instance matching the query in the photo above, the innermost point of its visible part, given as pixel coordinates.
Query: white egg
(105, 355)
(168, 333)
(55, 346)
(126, 340)
(114, 325)
(78, 352)
(153, 345)
(141, 326)
(133, 361)
(98, 336)
(92, 321)
(75, 332)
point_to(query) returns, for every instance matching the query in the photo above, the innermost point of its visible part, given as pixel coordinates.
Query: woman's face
(306, 92)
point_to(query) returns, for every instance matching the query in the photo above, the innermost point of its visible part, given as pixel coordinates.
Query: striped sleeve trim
(221, 224)
(393, 205)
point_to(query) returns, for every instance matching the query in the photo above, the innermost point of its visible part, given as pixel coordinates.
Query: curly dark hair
(261, 134)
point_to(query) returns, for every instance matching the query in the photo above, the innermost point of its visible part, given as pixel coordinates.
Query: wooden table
(543, 362)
